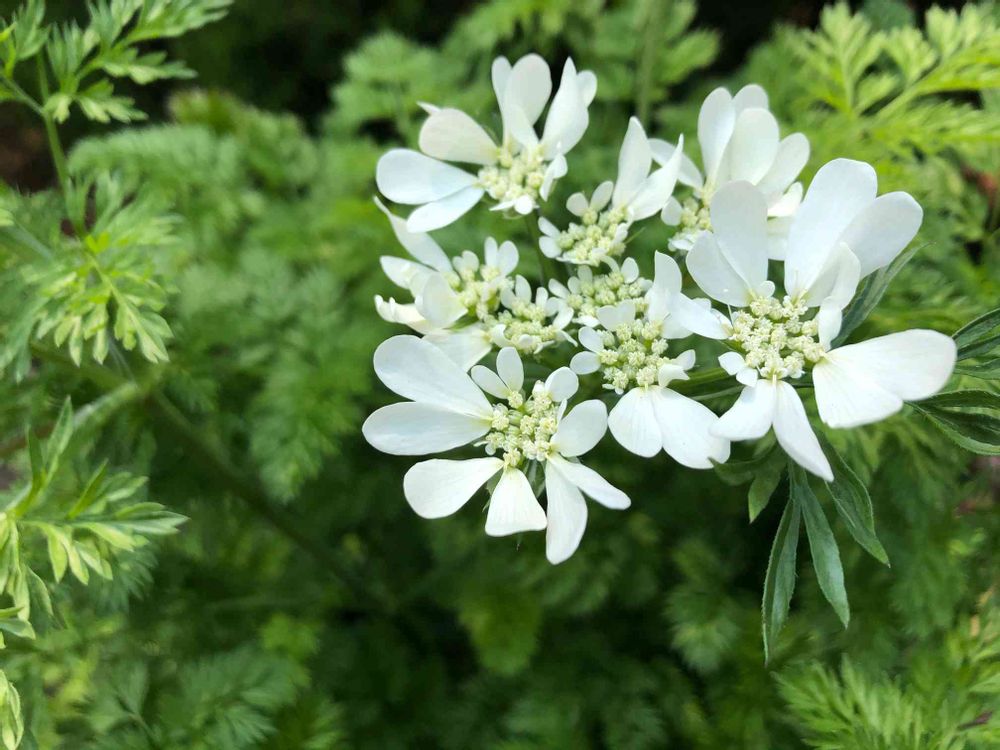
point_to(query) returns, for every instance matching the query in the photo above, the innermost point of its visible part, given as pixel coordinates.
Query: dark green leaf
(979, 336)
(970, 418)
(822, 544)
(764, 485)
(854, 505)
(779, 583)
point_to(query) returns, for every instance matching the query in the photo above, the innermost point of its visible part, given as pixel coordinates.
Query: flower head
(739, 141)
(516, 173)
(632, 355)
(605, 218)
(842, 233)
(519, 432)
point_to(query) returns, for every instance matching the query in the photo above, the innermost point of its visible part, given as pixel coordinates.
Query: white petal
(416, 429)
(752, 414)
(753, 146)
(591, 339)
(715, 125)
(586, 81)
(602, 194)
(880, 232)
(438, 302)
(688, 174)
(633, 423)
(865, 382)
(592, 484)
(829, 320)
(839, 192)
(634, 160)
(418, 370)
(751, 95)
(439, 487)
(732, 362)
(406, 176)
(795, 434)
(714, 273)
(421, 246)
(510, 369)
(443, 212)
(666, 274)
(549, 247)
(581, 429)
(499, 75)
(612, 316)
(655, 190)
(529, 86)
(513, 506)
(671, 213)
(584, 363)
(837, 281)
(567, 516)
(562, 384)
(489, 381)
(793, 153)
(577, 204)
(685, 428)
(507, 258)
(463, 346)
(739, 222)
(405, 273)
(452, 135)
(393, 312)
(567, 119)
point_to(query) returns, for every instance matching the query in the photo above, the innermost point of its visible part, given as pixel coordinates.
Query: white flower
(842, 233)
(529, 322)
(739, 142)
(631, 355)
(517, 172)
(447, 292)
(520, 433)
(635, 195)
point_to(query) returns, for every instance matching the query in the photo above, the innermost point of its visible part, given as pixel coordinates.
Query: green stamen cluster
(522, 429)
(774, 339)
(597, 236)
(526, 325)
(594, 292)
(633, 355)
(479, 289)
(514, 175)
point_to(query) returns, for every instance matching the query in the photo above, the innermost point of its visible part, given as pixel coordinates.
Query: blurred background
(303, 606)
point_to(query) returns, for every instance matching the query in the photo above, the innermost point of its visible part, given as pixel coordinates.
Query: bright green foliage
(201, 289)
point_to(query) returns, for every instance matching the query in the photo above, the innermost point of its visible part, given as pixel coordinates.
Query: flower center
(522, 429)
(526, 325)
(695, 216)
(479, 289)
(774, 339)
(594, 292)
(514, 175)
(633, 355)
(596, 237)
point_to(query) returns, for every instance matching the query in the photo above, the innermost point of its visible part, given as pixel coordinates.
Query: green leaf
(969, 418)
(871, 294)
(984, 371)
(59, 439)
(779, 582)
(978, 336)
(764, 484)
(822, 544)
(854, 504)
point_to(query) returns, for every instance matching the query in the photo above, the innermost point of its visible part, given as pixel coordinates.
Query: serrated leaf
(822, 544)
(779, 582)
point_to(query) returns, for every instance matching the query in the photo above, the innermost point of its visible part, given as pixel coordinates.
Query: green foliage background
(211, 324)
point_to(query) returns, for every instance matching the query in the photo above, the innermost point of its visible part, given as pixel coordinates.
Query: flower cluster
(603, 328)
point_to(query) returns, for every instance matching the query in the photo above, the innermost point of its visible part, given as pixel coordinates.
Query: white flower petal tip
(439, 487)
(581, 429)
(513, 506)
(566, 514)
(863, 383)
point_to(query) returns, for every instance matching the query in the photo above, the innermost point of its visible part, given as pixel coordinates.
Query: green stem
(647, 56)
(55, 145)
